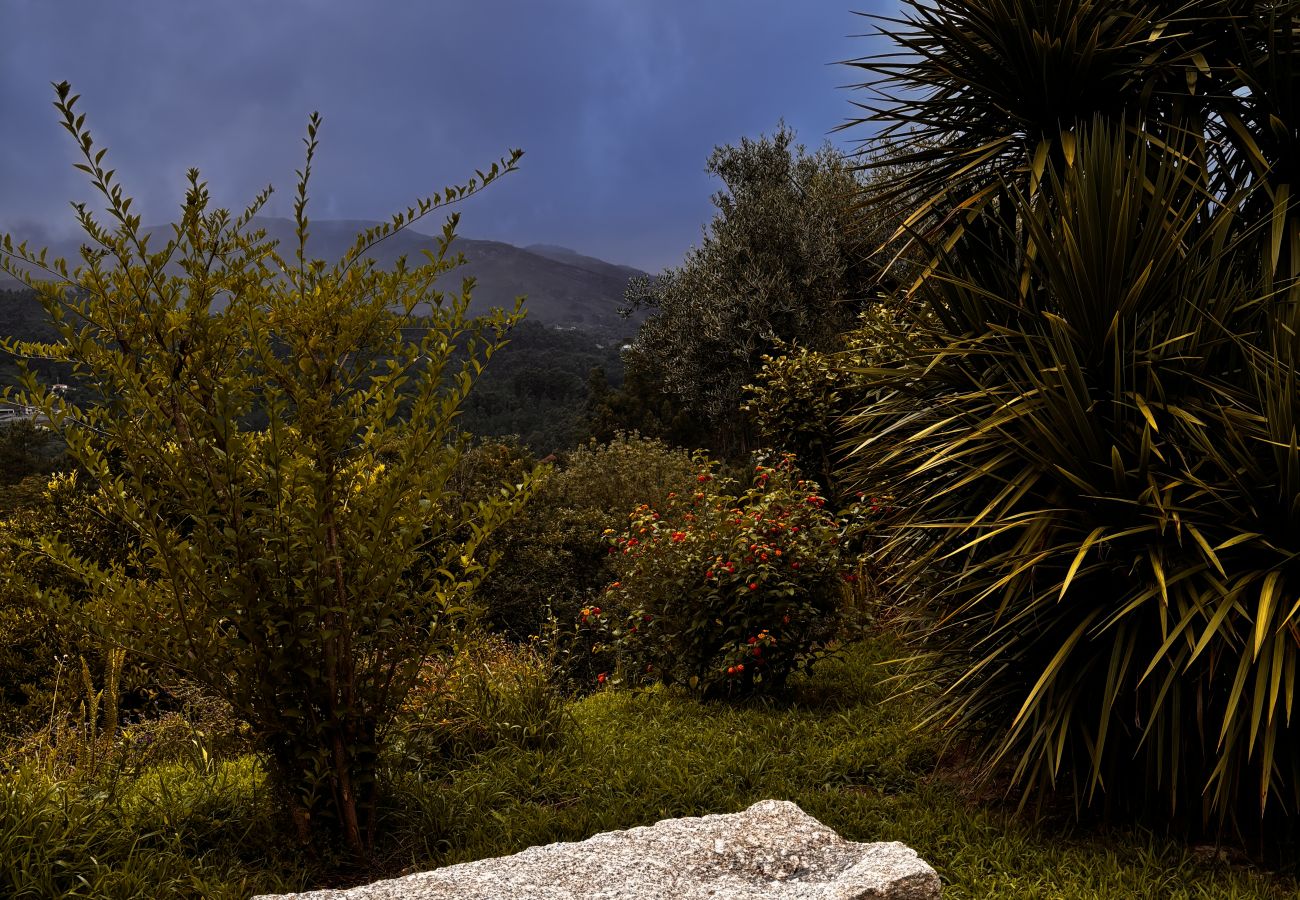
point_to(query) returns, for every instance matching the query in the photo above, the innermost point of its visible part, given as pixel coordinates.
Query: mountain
(590, 263)
(563, 287)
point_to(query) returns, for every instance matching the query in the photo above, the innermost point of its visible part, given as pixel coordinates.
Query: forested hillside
(537, 388)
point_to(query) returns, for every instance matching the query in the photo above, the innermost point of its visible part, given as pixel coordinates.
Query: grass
(838, 750)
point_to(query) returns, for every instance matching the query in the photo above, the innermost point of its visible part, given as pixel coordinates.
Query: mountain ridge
(562, 287)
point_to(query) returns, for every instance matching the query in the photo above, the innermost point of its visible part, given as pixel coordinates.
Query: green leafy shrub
(36, 645)
(724, 590)
(800, 399)
(554, 559)
(276, 434)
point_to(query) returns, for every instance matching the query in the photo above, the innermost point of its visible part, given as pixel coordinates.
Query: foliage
(37, 649)
(554, 559)
(27, 449)
(61, 842)
(982, 97)
(539, 387)
(641, 404)
(276, 434)
(1107, 482)
(799, 400)
(1093, 449)
(728, 592)
(490, 695)
(777, 264)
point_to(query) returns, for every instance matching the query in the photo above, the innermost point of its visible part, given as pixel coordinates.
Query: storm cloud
(616, 103)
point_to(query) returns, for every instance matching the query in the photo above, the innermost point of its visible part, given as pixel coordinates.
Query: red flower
(703, 478)
(600, 679)
(753, 585)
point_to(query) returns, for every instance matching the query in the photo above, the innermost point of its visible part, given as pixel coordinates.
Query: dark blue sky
(616, 103)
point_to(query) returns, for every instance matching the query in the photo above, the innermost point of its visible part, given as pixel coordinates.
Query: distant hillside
(538, 387)
(574, 258)
(563, 287)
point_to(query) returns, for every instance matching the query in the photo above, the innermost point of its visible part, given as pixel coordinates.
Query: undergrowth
(188, 827)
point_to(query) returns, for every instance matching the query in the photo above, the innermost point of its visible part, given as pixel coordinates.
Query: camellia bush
(723, 590)
(554, 560)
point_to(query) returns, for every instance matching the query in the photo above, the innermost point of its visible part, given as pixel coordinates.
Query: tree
(277, 434)
(778, 264)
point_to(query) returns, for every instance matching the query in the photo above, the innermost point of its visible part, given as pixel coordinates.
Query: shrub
(276, 434)
(34, 643)
(726, 591)
(554, 559)
(800, 398)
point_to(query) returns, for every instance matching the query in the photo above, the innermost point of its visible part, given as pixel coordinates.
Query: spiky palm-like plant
(1095, 449)
(1099, 473)
(983, 97)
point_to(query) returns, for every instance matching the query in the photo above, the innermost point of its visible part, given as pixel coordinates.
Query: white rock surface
(771, 851)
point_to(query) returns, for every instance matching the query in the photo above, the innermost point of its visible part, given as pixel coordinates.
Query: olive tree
(780, 264)
(276, 433)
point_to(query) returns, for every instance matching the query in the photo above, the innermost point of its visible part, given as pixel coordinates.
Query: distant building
(13, 412)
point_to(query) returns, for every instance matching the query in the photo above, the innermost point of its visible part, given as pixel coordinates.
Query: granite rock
(773, 850)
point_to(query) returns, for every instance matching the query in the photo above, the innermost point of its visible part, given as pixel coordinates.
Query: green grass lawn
(838, 750)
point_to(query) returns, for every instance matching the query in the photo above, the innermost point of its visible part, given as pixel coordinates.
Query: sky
(616, 104)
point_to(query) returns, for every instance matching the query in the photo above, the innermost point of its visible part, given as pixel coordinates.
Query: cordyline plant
(1098, 463)
(1093, 448)
(277, 434)
(982, 98)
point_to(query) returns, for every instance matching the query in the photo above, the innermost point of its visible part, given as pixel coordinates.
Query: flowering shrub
(725, 591)
(553, 560)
